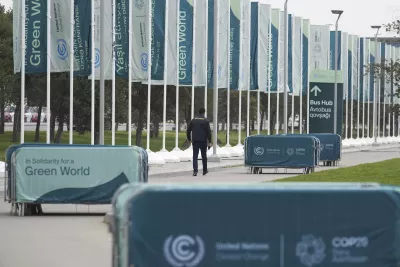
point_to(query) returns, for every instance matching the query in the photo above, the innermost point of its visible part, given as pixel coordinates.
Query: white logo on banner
(144, 61)
(97, 58)
(290, 151)
(310, 250)
(62, 49)
(184, 250)
(139, 4)
(322, 147)
(259, 151)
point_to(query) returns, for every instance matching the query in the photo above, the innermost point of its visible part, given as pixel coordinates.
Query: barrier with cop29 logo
(272, 224)
(281, 151)
(331, 147)
(73, 174)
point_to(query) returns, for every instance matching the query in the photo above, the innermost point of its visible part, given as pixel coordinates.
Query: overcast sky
(357, 18)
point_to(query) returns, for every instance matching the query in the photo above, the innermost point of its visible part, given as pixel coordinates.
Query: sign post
(322, 101)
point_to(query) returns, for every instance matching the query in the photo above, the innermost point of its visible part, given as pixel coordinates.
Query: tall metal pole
(23, 52)
(48, 76)
(113, 74)
(375, 103)
(285, 76)
(102, 71)
(336, 71)
(215, 82)
(71, 76)
(339, 13)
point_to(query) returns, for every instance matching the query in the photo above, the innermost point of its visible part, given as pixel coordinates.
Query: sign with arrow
(315, 90)
(322, 103)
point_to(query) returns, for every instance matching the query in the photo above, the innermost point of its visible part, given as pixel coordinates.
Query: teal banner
(185, 42)
(36, 36)
(234, 44)
(290, 52)
(332, 50)
(72, 174)
(275, 49)
(83, 38)
(210, 59)
(361, 71)
(273, 224)
(122, 38)
(305, 55)
(350, 74)
(157, 40)
(254, 47)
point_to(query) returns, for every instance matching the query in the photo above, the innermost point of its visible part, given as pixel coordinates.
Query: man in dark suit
(199, 134)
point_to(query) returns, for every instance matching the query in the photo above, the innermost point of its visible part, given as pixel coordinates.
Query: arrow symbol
(316, 90)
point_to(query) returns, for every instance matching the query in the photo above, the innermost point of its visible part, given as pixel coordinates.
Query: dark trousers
(203, 148)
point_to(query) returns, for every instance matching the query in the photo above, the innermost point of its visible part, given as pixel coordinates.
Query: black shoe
(205, 172)
(194, 173)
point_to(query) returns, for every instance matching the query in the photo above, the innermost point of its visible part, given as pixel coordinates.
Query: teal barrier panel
(72, 174)
(331, 145)
(13, 148)
(262, 225)
(120, 198)
(270, 151)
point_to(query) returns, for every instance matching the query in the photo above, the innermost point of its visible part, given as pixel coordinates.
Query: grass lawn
(121, 138)
(385, 172)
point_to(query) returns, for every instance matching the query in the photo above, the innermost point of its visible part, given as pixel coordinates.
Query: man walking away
(199, 133)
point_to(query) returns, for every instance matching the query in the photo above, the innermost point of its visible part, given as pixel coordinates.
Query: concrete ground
(77, 236)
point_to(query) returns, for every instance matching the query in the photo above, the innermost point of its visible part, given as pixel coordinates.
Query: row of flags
(180, 35)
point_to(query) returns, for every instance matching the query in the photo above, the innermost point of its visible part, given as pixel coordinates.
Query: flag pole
(102, 71)
(165, 77)
(248, 65)
(49, 74)
(113, 74)
(228, 93)
(149, 64)
(206, 60)
(193, 57)
(358, 86)
(22, 115)
(308, 75)
(258, 69)
(92, 103)
(293, 27)
(240, 84)
(71, 76)
(215, 156)
(177, 79)
(269, 71)
(130, 77)
(301, 79)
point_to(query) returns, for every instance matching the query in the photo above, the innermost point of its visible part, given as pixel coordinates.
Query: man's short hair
(202, 111)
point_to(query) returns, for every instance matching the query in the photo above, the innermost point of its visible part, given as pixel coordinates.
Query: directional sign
(315, 90)
(321, 102)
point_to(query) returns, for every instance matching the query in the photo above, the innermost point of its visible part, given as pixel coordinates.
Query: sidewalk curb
(240, 162)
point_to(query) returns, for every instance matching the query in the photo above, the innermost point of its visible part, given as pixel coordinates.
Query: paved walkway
(65, 240)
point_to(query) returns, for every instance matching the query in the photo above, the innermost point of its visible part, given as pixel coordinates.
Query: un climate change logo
(139, 4)
(62, 49)
(97, 58)
(310, 250)
(290, 151)
(184, 250)
(259, 151)
(144, 59)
